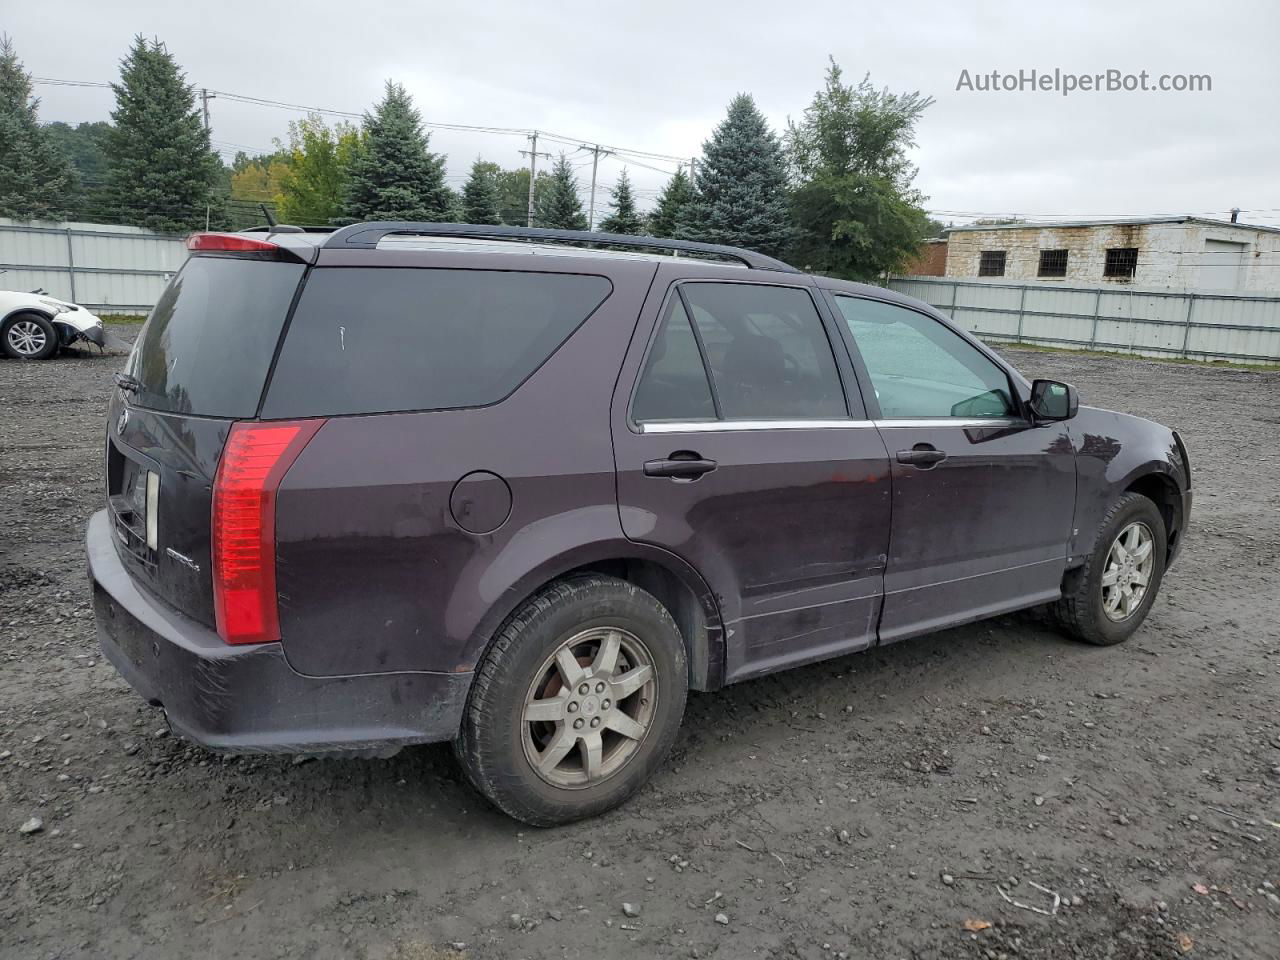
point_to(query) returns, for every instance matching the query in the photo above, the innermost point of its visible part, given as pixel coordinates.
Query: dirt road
(865, 807)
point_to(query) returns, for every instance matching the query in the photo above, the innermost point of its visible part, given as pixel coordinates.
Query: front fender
(1116, 452)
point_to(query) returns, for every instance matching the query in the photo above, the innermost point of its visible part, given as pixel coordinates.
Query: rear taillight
(229, 243)
(254, 461)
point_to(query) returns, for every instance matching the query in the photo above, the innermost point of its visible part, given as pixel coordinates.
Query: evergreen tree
(741, 185)
(675, 195)
(624, 218)
(480, 195)
(856, 212)
(161, 172)
(557, 205)
(396, 177)
(36, 179)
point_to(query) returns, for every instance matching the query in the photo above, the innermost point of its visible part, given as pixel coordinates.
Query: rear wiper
(128, 382)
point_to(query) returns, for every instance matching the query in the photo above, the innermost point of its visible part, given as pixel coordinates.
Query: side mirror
(1051, 400)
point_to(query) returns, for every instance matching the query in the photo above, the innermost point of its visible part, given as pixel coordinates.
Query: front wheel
(576, 703)
(1107, 600)
(29, 336)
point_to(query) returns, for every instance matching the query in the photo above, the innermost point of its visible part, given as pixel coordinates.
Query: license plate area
(134, 507)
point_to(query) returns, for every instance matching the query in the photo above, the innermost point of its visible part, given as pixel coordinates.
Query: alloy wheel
(589, 707)
(27, 338)
(1127, 573)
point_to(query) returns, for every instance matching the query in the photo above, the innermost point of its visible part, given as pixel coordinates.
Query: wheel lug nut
(577, 724)
(573, 706)
(584, 689)
(606, 704)
(595, 722)
(599, 688)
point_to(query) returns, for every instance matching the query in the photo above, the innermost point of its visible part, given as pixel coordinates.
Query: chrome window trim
(999, 422)
(733, 426)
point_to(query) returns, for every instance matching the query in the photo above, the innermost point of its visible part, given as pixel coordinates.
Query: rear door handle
(922, 455)
(679, 469)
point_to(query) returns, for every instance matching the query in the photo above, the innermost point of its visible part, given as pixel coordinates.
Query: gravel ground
(872, 807)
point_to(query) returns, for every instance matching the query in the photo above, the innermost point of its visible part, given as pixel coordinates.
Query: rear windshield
(207, 345)
(377, 340)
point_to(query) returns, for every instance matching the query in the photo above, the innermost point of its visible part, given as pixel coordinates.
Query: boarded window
(1122, 262)
(991, 264)
(1053, 263)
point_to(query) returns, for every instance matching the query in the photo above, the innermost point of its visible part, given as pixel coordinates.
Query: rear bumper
(248, 699)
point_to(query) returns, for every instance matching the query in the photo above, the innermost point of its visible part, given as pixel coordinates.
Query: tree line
(834, 193)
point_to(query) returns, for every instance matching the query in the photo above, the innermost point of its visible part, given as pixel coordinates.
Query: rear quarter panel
(373, 571)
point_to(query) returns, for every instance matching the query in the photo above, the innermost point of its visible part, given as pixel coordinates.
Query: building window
(1053, 263)
(991, 264)
(1122, 263)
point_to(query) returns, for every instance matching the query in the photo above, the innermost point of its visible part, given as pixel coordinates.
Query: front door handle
(677, 467)
(922, 455)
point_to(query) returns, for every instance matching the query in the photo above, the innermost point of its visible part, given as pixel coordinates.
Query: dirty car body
(461, 424)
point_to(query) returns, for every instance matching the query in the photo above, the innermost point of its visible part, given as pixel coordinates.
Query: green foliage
(314, 175)
(395, 176)
(740, 185)
(513, 194)
(161, 172)
(856, 212)
(675, 195)
(36, 179)
(85, 145)
(625, 218)
(480, 196)
(557, 204)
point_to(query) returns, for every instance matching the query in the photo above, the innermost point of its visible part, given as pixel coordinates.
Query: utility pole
(693, 163)
(533, 169)
(596, 152)
(205, 97)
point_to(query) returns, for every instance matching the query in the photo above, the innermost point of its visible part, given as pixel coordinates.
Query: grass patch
(134, 318)
(999, 345)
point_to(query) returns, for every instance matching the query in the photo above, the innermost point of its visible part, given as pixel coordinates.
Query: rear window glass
(375, 340)
(207, 345)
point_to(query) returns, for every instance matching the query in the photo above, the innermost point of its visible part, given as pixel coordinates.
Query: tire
(1082, 611)
(28, 336)
(498, 747)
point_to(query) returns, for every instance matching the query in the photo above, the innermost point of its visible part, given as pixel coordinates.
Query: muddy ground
(866, 807)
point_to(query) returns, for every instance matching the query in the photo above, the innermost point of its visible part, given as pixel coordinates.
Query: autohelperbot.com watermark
(1066, 83)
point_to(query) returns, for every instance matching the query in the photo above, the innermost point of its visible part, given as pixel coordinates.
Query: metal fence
(105, 267)
(1154, 323)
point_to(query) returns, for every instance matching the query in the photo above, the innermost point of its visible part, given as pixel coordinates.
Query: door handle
(922, 455)
(689, 467)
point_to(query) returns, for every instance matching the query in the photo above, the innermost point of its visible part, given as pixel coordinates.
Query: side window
(768, 352)
(919, 368)
(674, 383)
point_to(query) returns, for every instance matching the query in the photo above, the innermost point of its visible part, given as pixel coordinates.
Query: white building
(1183, 253)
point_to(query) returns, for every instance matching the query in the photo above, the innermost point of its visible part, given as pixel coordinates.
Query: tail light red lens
(254, 461)
(229, 243)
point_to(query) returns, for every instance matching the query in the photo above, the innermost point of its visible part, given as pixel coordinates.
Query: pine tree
(161, 172)
(741, 185)
(480, 194)
(396, 177)
(36, 178)
(624, 218)
(675, 195)
(557, 204)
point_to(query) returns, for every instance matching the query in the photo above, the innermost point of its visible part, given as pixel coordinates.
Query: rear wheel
(576, 703)
(1109, 598)
(28, 336)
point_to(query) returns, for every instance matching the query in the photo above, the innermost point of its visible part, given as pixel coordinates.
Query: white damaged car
(35, 326)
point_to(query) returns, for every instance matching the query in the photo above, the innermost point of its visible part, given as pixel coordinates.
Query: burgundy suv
(522, 490)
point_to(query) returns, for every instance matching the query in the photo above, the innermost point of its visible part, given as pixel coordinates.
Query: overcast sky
(655, 76)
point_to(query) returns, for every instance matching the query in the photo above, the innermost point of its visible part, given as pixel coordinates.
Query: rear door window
(379, 340)
(768, 351)
(207, 345)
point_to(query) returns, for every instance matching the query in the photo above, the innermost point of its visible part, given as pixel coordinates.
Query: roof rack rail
(365, 236)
